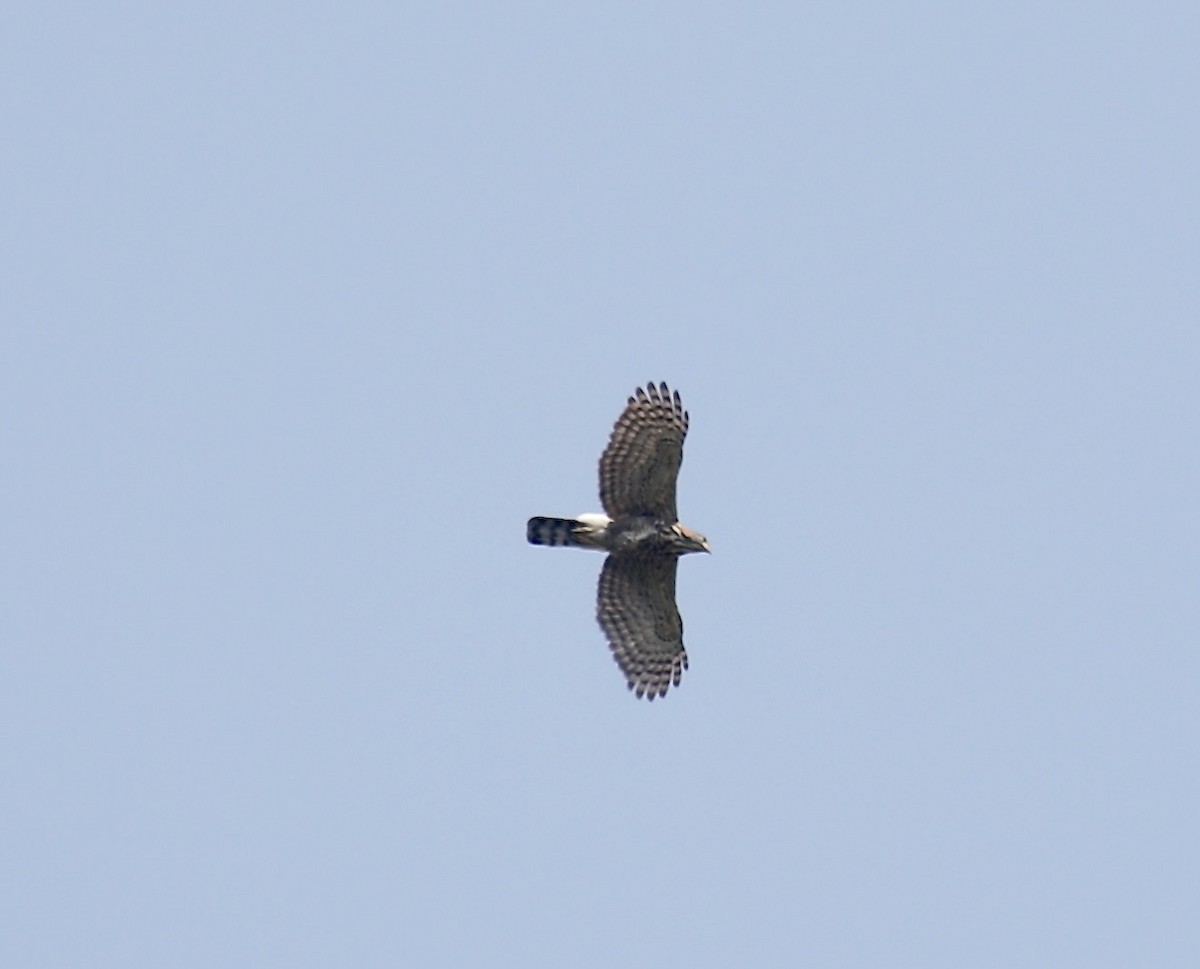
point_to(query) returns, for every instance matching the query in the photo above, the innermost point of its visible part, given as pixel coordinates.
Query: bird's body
(640, 530)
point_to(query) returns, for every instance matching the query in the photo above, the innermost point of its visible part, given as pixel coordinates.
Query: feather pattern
(640, 466)
(635, 606)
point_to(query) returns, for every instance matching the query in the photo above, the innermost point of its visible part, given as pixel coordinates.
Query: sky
(307, 308)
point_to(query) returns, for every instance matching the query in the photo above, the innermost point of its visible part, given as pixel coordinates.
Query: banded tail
(553, 531)
(586, 531)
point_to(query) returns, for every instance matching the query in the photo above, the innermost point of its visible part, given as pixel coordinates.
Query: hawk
(640, 531)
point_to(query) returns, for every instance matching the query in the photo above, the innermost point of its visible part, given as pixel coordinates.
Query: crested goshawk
(640, 531)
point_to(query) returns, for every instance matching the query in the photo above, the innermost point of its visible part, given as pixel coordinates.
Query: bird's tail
(553, 531)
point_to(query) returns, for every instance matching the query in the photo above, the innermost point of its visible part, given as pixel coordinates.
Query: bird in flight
(641, 532)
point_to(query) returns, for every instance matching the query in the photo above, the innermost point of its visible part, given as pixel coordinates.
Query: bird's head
(687, 540)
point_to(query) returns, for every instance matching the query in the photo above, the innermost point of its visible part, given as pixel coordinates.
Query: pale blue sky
(306, 308)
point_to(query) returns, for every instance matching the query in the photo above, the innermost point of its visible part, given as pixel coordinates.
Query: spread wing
(635, 606)
(639, 467)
